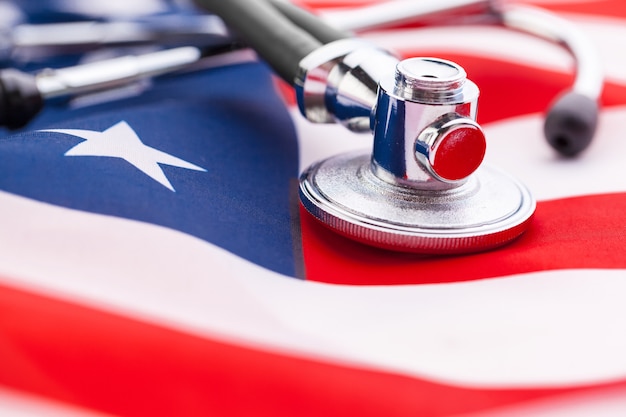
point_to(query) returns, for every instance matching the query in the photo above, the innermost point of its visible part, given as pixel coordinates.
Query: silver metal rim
(419, 234)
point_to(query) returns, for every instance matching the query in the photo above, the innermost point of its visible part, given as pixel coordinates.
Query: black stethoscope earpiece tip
(20, 99)
(571, 123)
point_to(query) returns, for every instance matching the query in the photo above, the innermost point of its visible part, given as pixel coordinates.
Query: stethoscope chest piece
(422, 189)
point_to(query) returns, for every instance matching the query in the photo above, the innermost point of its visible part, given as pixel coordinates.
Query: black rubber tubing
(312, 24)
(272, 35)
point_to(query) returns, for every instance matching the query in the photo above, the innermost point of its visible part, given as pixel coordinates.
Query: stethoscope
(423, 187)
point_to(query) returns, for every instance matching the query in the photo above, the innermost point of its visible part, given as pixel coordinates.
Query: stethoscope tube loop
(572, 118)
(534, 21)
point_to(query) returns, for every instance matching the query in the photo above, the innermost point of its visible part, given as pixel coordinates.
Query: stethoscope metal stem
(22, 95)
(114, 72)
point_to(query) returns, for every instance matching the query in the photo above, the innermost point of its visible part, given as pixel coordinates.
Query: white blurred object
(112, 8)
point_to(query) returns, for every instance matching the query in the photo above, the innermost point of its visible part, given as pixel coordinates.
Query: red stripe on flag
(114, 364)
(610, 8)
(579, 232)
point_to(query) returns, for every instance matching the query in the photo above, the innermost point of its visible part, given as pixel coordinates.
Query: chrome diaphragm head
(422, 188)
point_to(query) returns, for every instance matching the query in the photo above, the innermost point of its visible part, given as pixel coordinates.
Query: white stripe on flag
(18, 404)
(608, 402)
(524, 330)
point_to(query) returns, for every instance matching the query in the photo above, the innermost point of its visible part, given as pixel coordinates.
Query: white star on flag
(121, 141)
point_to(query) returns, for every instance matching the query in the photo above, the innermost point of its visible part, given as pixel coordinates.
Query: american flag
(154, 260)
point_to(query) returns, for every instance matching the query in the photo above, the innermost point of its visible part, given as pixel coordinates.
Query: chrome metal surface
(413, 114)
(338, 82)
(488, 210)
(113, 72)
(429, 80)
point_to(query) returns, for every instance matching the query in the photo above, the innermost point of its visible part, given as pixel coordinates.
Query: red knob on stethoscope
(458, 150)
